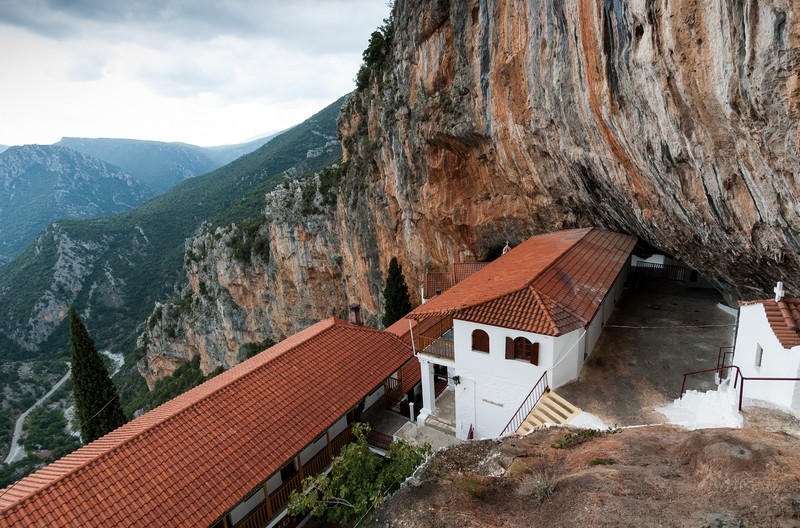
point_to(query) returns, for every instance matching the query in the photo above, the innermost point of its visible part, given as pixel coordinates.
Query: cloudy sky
(206, 72)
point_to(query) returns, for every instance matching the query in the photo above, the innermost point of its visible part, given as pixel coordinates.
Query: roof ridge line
(371, 329)
(540, 297)
(561, 255)
(329, 323)
(530, 283)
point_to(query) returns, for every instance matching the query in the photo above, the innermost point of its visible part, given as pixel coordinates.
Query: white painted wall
(776, 361)
(493, 387)
(652, 259)
(337, 428)
(243, 508)
(315, 447)
(274, 482)
(568, 357)
(374, 397)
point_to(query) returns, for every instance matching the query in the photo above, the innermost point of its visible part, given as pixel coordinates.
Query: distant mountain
(227, 153)
(3, 148)
(43, 183)
(115, 268)
(158, 165)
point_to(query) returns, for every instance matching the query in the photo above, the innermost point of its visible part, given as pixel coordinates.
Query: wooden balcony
(277, 500)
(437, 340)
(437, 347)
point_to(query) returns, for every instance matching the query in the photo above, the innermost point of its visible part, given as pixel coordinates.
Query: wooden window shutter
(509, 348)
(535, 353)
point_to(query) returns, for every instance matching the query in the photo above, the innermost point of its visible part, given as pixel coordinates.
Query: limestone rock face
(248, 283)
(494, 120)
(676, 122)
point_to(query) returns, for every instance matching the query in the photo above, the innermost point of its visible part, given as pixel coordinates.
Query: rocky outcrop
(674, 122)
(648, 476)
(73, 262)
(251, 282)
(491, 120)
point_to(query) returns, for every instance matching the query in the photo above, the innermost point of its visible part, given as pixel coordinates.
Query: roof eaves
(183, 403)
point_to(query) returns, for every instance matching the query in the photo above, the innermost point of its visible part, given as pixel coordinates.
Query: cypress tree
(96, 399)
(395, 295)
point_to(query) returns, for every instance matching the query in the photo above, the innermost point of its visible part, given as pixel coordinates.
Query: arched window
(521, 348)
(480, 341)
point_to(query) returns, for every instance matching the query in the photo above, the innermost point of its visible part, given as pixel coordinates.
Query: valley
(474, 125)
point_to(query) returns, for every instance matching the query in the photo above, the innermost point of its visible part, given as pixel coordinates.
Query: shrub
(540, 482)
(472, 485)
(572, 440)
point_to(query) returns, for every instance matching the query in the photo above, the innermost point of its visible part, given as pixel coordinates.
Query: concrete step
(440, 425)
(551, 408)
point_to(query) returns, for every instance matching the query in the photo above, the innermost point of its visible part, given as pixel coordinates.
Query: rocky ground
(650, 476)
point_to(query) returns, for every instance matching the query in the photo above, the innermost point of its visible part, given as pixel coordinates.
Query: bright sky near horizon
(205, 72)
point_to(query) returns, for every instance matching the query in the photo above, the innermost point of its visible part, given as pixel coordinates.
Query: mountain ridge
(43, 183)
(114, 268)
(157, 164)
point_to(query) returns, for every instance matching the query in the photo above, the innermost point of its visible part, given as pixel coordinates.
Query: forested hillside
(114, 268)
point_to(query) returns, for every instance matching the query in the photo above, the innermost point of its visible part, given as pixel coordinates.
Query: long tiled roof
(190, 460)
(550, 284)
(784, 319)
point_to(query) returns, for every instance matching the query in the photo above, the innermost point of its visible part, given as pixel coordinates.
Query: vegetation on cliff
(377, 56)
(396, 300)
(96, 399)
(358, 481)
(119, 266)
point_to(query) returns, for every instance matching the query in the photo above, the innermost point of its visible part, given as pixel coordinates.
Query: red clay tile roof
(190, 460)
(784, 319)
(443, 281)
(550, 284)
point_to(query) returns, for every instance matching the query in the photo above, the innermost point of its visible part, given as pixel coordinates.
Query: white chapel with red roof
(519, 326)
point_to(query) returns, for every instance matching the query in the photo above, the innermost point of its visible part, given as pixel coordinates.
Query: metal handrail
(721, 356)
(528, 403)
(738, 376)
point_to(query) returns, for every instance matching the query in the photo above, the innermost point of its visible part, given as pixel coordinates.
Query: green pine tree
(96, 398)
(395, 295)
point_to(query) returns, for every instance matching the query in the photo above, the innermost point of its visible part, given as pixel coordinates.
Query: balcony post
(428, 392)
(268, 502)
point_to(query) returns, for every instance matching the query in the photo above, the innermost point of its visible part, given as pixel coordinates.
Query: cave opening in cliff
(651, 263)
(494, 252)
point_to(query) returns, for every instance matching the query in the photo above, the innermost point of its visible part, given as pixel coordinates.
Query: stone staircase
(443, 426)
(551, 408)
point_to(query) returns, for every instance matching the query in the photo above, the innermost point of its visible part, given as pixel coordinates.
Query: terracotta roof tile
(444, 280)
(550, 284)
(784, 319)
(190, 460)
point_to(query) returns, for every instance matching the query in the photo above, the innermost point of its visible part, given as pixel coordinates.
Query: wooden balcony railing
(438, 339)
(438, 347)
(258, 518)
(278, 499)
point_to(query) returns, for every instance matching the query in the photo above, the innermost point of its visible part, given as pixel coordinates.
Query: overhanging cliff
(676, 122)
(481, 122)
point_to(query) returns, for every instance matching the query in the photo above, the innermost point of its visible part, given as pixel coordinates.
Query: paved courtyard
(658, 331)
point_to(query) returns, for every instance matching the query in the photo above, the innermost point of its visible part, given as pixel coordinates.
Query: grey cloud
(309, 25)
(183, 81)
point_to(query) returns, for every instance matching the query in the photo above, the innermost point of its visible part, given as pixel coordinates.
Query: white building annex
(529, 319)
(768, 346)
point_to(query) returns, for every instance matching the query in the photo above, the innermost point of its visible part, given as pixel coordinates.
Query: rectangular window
(289, 470)
(759, 354)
